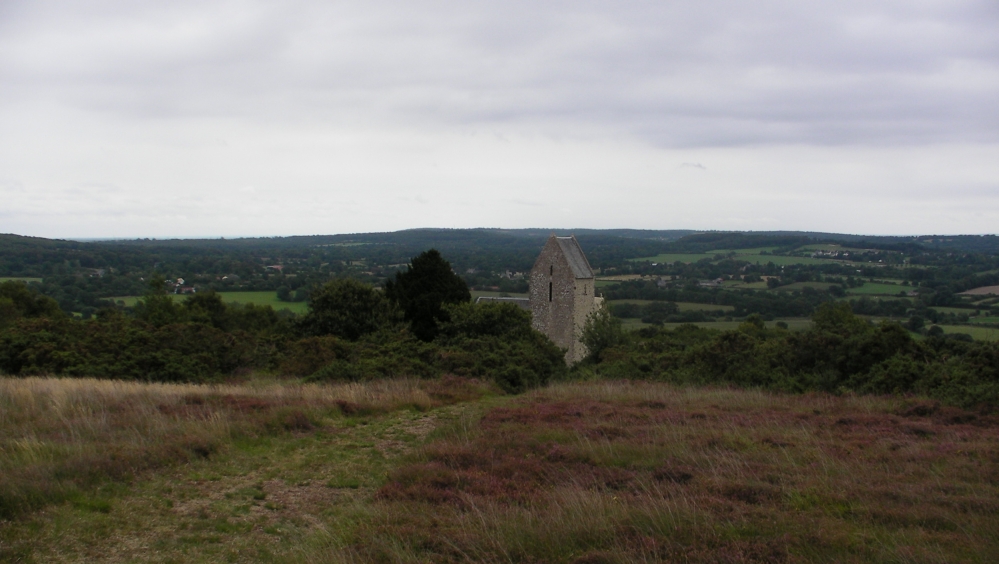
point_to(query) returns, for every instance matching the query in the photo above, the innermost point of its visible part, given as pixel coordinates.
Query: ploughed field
(452, 471)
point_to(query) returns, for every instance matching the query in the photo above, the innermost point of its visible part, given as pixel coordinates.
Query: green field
(977, 333)
(739, 285)
(684, 306)
(755, 251)
(256, 298)
(19, 279)
(954, 310)
(792, 324)
(796, 324)
(878, 289)
(270, 298)
(984, 320)
(485, 294)
(829, 247)
(799, 286)
(669, 258)
(785, 261)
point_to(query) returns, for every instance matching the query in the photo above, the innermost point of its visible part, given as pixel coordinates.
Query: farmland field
(19, 279)
(799, 286)
(255, 298)
(670, 258)
(831, 247)
(982, 291)
(785, 260)
(877, 288)
(778, 260)
(793, 324)
(485, 294)
(684, 306)
(954, 310)
(977, 333)
(739, 285)
(621, 472)
(755, 251)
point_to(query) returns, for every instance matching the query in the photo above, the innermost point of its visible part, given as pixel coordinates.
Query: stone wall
(561, 317)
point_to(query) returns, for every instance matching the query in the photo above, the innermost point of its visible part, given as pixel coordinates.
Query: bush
(348, 309)
(841, 352)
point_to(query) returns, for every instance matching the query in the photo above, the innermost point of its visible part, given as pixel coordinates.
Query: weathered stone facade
(562, 294)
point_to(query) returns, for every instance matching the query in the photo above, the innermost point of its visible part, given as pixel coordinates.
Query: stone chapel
(562, 294)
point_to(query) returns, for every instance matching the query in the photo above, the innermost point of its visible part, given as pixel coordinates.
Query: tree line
(421, 324)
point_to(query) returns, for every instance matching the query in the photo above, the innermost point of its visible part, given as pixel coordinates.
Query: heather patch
(630, 472)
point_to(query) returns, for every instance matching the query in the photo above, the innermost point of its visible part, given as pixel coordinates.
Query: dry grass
(632, 472)
(580, 473)
(63, 437)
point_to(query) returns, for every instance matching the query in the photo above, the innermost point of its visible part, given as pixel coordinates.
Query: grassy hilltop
(454, 471)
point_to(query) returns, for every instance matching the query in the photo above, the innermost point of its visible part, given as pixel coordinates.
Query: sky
(244, 118)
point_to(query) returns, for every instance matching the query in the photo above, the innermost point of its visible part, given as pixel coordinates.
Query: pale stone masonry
(562, 294)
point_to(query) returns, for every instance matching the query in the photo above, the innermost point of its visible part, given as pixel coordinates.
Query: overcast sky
(202, 118)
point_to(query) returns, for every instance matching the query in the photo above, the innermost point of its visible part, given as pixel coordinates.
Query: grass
(954, 310)
(779, 260)
(623, 472)
(794, 324)
(786, 260)
(879, 289)
(480, 293)
(19, 279)
(799, 286)
(977, 333)
(684, 306)
(670, 258)
(754, 251)
(830, 247)
(576, 472)
(65, 437)
(740, 285)
(256, 298)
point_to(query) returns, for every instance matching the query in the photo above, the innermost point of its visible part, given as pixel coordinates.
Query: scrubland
(451, 470)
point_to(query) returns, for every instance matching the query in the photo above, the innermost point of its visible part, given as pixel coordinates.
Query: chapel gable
(562, 294)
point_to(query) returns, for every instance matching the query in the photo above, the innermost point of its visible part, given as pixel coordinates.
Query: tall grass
(637, 472)
(60, 438)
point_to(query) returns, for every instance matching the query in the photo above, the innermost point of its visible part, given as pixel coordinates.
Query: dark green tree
(423, 289)
(657, 312)
(207, 307)
(17, 300)
(600, 332)
(157, 307)
(284, 293)
(346, 308)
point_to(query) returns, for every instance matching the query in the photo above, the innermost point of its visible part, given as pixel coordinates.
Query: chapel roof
(574, 254)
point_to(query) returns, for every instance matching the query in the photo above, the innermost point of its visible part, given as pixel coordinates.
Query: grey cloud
(671, 74)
